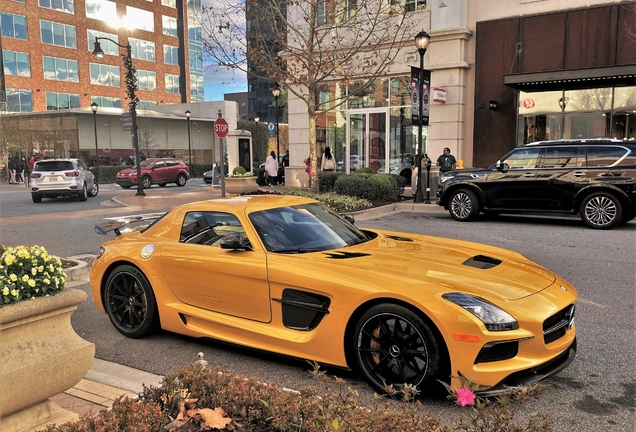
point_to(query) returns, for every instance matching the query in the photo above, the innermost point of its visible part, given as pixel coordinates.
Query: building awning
(573, 79)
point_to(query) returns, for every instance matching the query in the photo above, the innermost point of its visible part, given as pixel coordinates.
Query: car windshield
(147, 163)
(54, 166)
(304, 228)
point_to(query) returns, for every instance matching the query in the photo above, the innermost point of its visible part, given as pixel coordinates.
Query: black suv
(593, 177)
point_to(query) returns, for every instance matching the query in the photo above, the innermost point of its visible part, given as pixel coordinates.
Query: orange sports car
(288, 275)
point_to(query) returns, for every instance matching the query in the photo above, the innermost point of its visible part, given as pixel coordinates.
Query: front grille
(555, 327)
(497, 352)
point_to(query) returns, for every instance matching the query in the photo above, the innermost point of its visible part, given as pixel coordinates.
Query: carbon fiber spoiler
(115, 224)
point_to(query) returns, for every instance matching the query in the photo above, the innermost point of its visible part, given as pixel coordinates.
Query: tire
(601, 210)
(181, 180)
(130, 303)
(36, 199)
(627, 218)
(146, 182)
(463, 205)
(83, 196)
(125, 187)
(387, 355)
(93, 192)
(162, 184)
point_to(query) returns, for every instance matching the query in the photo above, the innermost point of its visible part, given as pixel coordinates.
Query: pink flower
(465, 397)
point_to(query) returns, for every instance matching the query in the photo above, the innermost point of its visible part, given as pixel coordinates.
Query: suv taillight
(72, 174)
(35, 175)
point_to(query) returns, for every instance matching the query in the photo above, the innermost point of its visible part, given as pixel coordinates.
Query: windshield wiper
(297, 250)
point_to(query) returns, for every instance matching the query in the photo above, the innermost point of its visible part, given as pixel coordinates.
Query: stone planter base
(40, 356)
(37, 417)
(239, 185)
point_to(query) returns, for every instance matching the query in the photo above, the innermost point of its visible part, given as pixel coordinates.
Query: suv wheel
(601, 210)
(83, 196)
(94, 191)
(463, 205)
(36, 199)
(146, 182)
(181, 180)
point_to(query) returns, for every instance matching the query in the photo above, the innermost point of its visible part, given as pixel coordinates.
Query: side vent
(302, 310)
(399, 238)
(482, 262)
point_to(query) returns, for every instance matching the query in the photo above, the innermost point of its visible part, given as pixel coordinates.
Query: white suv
(52, 178)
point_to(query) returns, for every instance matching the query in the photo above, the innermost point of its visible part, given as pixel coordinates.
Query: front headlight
(493, 317)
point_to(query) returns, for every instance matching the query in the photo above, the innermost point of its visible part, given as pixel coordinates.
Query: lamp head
(256, 119)
(97, 51)
(94, 107)
(276, 91)
(421, 42)
(188, 114)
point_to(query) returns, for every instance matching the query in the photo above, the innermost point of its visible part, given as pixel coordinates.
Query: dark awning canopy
(573, 79)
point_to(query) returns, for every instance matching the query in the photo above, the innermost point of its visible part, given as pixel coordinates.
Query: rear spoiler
(119, 222)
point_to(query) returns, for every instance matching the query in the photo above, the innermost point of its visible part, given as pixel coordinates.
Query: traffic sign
(221, 128)
(126, 121)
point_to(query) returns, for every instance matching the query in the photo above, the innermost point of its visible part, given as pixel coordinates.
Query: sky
(217, 82)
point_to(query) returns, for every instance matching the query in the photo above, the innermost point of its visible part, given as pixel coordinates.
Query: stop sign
(221, 128)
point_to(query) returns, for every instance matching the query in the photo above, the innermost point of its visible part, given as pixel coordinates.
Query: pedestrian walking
(446, 162)
(19, 171)
(328, 162)
(307, 163)
(12, 171)
(26, 171)
(271, 169)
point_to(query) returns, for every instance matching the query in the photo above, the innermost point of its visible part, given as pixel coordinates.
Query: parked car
(159, 171)
(287, 274)
(595, 178)
(52, 178)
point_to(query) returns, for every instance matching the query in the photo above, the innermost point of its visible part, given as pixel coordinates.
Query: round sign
(221, 128)
(528, 103)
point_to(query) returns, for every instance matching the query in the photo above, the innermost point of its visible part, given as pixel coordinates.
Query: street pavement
(107, 381)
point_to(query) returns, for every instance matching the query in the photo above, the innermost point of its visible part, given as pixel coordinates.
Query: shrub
(355, 185)
(238, 170)
(327, 180)
(251, 405)
(27, 272)
(365, 171)
(338, 203)
(385, 187)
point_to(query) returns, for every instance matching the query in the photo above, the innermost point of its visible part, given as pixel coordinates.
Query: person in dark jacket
(19, 170)
(12, 171)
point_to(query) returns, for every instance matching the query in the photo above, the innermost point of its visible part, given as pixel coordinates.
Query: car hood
(417, 260)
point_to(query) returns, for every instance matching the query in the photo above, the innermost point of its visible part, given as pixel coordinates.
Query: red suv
(159, 171)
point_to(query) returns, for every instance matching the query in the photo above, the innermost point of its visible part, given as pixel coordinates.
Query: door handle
(579, 174)
(527, 175)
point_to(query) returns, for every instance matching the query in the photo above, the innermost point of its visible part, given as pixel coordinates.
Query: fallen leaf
(214, 418)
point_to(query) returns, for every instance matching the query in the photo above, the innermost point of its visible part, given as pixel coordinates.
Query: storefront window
(539, 116)
(369, 94)
(624, 116)
(401, 91)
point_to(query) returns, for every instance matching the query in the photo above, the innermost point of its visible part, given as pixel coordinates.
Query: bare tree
(146, 134)
(304, 44)
(9, 128)
(629, 23)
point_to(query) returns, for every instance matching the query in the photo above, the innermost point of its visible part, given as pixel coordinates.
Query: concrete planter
(40, 356)
(239, 185)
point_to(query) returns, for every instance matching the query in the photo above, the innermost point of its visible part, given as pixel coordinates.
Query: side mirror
(349, 218)
(236, 241)
(503, 167)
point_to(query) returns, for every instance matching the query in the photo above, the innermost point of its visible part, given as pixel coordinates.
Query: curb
(81, 269)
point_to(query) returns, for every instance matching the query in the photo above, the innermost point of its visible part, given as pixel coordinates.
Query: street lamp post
(188, 114)
(276, 93)
(258, 159)
(421, 42)
(131, 87)
(94, 107)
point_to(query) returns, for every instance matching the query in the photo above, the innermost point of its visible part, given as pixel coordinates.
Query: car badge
(563, 288)
(147, 251)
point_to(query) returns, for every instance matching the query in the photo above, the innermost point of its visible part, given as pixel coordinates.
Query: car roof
(250, 203)
(602, 141)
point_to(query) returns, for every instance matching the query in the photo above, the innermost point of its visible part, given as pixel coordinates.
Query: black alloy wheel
(94, 191)
(601, 210)
(181, 180)
(146, 182)
(83, 196)
(130, 302)
(393, 346)
(463, 205)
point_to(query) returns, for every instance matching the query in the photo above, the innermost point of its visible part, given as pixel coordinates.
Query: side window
(207, 228)
(160, 164)
(602, 156)
(630, 159)
(562, 157)
(523, 158)
(172, 163)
